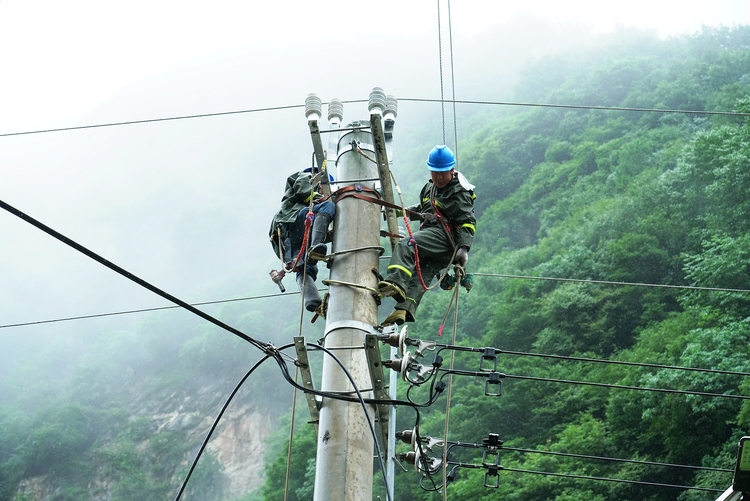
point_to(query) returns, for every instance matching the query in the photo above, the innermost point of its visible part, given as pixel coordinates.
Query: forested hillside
(610, 235)
(612, 249)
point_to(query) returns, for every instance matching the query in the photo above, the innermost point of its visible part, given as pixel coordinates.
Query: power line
(491, 275)
(264, 347)
(608, 282)
(607, 479)
(619, 460)
(576, 106)
(406, 99)
(621, 362)
(143, 310)
(614, 386)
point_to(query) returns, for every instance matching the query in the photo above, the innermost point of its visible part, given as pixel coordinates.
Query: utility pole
(346, 446)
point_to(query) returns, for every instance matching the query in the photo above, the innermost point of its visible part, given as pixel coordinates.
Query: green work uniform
(454, 206)
(297, 195)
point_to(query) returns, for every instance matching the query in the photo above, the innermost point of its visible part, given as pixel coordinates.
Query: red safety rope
(413, 243)
(308, 224)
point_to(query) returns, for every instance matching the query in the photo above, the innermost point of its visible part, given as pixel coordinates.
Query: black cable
(360, 399)
(590, 383)
(143, 310)
(620, 362)
(265, 347)
(607, 479)
(150, 120)
(620, 460)
(407, 99)
(167, 119)
(496, 275)
(616, 386)
(609, 282)
(575, 107)
(216, 422)
(498, 351)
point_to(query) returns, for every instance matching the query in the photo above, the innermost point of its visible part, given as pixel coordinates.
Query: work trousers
(435, 252)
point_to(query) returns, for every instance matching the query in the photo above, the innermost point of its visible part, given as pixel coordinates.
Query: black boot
(318, 249)
(310, 290)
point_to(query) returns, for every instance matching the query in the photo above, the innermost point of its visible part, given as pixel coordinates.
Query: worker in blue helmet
(446, 232)
(288, 230)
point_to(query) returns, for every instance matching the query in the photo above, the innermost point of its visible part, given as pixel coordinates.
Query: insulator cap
(313, 106)
(377, 101)
(335, 110)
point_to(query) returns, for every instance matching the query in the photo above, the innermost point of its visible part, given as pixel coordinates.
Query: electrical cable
(589, 383)
(607, 479)
(449, 372)
(144, 310)
(362, 401)
(619, 460)
(264, 347)
(454, 297)
(453, 85)
(608, 282)
(216, 422)
(576, 107)
(167, 119)
(598, 458)
(616, 386)
(405, 99)
(440, 59)
(620, 362)
(491, 275)
(498, 351)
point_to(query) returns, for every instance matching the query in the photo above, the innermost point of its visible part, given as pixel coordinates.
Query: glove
(462, 256)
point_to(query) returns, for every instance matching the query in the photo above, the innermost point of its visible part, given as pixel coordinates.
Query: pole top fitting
(377, 101)
(313, 107)
(335, 111)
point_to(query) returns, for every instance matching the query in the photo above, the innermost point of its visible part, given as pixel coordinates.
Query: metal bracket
(320, 156)
(385, 174)
(379, 387)
(307, 380)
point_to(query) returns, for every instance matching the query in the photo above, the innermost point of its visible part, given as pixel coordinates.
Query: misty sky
(187, 204)
(60, 59)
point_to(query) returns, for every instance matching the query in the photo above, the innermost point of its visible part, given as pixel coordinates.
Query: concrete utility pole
(344, 463)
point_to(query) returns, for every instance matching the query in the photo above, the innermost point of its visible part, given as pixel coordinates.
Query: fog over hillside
(186, 204)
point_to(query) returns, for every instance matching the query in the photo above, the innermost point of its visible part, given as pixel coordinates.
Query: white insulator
(313, 107)
(377, 101)
(335, 111)
(391, 106)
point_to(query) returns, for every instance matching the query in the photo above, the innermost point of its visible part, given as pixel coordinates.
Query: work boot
(397, 317)
(318, 249)
(309, 289)
(388, 289)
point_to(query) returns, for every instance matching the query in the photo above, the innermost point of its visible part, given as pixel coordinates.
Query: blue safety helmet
(315, 170)
(441, 159)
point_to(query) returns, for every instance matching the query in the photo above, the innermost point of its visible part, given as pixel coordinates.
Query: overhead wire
(609, 479)
(440, 59)
(143, 310)
(442, 101)
(610, 282)
(264, 347)
(619, 460)
(478, 274)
